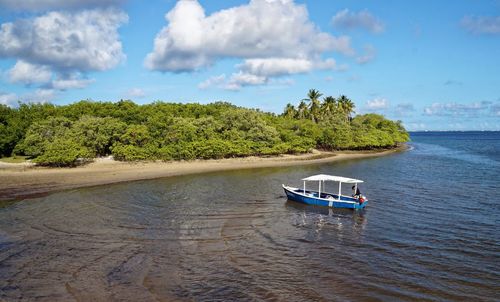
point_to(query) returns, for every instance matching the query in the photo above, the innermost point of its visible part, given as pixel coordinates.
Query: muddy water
(232, 236)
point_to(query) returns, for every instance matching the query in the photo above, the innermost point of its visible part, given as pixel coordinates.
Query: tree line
(68, 134)
(318, 110)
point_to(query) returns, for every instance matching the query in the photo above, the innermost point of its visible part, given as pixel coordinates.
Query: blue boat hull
(311, 198)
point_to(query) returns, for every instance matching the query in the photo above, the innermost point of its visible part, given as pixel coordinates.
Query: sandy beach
(18, 181)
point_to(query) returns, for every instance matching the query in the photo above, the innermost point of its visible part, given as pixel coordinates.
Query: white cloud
(475, 109)
(377, 104)
(80, 41)
(363, 19)
(368, 56)
(27, 73)
(284, 66)
(8, 99)
(275, 30)
(276, 66)
(212, 81)
(43, 5)
(71, 82)
(38, 96)
(136, 93)
(241, 79)
(55, 48)
(481, 24)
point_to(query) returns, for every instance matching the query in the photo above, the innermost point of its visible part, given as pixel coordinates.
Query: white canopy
(324, 177)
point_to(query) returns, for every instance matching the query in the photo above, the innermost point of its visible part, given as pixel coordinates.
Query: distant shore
(19, 181)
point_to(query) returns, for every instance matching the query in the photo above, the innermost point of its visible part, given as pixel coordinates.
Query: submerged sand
(19, 181)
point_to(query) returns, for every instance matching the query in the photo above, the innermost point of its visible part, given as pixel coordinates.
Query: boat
(326, 199)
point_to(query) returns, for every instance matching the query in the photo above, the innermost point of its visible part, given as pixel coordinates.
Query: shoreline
(21, 181)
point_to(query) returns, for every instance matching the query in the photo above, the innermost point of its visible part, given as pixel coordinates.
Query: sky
(434, 65)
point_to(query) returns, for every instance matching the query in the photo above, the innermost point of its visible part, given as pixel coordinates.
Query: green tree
(186, 131)
(98, 134)
(290, 111)
(314, 104)
(181, 130)
(303, 111)
(329, 107)
(9, 132)
(63, 151)
(135, 144)
(42, 133)
(346, 106)
(208, 128)
(136, 135)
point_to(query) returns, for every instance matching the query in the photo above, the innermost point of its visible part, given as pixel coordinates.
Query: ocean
(430, 233)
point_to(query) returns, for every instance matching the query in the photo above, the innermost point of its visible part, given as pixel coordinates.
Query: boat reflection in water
(318, 218)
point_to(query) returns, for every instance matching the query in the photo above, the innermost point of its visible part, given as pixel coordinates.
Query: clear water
(430, 233)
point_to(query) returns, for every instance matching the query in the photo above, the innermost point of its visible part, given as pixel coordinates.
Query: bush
(98, 133)
(63, 152)
(41, 134)
(176, 152)
(132, 153)
(213, 148)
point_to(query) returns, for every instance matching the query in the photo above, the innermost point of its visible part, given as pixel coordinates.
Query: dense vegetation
(65, 135)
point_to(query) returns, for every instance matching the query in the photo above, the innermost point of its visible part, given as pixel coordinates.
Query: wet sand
(18, 181)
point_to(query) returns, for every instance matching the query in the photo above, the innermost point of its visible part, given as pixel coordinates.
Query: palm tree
(290, 111)
(302, 111)
(346, 106)
(313, 97)
(329, 106)
(349, 109)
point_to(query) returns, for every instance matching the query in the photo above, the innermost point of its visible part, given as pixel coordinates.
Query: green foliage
(66, 135)
(136, 135)
(181, 130)
(98, 133)
(63, 152)
(336, 129)
(8, 137)
(41, 134)
(215, 148)
(337, 137)
(125, 152)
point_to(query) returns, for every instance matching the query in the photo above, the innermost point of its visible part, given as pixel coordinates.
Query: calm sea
(430, 233)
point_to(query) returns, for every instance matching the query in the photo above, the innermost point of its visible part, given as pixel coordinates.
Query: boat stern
(362, 202)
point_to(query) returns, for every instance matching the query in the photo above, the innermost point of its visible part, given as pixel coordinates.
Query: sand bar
(19, 181)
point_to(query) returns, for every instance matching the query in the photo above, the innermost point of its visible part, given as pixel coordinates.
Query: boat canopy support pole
(355, 188)
(319, 189)
(304, 187)
(340, 188)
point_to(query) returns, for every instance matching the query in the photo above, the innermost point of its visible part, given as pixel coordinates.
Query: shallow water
(430, 232)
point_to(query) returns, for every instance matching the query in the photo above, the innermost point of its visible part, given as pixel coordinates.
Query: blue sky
(432, 64)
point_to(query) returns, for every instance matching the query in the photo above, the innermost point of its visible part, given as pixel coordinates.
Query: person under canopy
(356, 191)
